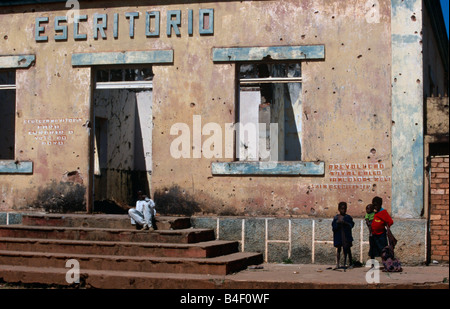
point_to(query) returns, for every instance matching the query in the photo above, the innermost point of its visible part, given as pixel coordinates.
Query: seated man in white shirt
(142, 215)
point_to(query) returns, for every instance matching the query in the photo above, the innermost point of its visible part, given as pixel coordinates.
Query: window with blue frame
(270, 112)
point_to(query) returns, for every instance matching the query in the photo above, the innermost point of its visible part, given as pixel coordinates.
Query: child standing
(370, 214)
(381, 220)
(342, 234)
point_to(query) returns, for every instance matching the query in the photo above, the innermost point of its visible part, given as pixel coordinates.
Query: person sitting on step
(142, 215)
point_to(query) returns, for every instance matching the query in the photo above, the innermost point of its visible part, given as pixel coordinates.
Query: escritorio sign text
(107, 25)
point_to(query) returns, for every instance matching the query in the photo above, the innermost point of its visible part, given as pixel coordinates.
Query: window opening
(270, 102)
(7, 114)
(124, 78)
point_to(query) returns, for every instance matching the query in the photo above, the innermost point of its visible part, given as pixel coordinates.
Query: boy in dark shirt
(342, 234)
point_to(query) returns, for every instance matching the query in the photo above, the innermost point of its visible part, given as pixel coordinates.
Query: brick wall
(439, 209)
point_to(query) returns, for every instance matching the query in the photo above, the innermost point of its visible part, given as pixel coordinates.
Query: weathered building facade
(102, 98)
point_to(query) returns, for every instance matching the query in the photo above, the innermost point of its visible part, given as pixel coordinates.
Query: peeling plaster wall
(50, 90)
(346, 99)
(407, 109)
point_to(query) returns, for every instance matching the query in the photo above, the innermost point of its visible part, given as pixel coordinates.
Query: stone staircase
(113, 254)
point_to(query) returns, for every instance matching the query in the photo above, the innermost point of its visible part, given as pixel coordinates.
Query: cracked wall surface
(346, 101)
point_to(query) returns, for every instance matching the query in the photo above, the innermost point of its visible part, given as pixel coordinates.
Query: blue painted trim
(17, 61)
(148, 17)
(38, 29)
(136, 57)
(100, 27)
(131, 16)
(190, 22)
(13, 167)
(59, 28)
(173, 23)
(202, 13)
(407, 136)
(76, 27)
(268, 168)
(116, 26)
(308, 52)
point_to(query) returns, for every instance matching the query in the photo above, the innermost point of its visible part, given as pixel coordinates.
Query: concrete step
(101, 221)
(99, 279)
(221, 265)
(198, 250)
(106, 234)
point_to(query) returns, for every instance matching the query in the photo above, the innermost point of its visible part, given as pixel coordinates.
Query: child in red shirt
(379, 223)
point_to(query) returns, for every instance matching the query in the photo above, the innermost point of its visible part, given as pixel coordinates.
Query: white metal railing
(7, 87)
(125, 85)
(270, 80)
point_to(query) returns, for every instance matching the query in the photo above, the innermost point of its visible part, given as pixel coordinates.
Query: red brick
(442, 248)
(436, 212)
(438, 191)
(439, 253)
(436, 196)
(438, 169)
(440, 232)
(435, 228)
(440, 222)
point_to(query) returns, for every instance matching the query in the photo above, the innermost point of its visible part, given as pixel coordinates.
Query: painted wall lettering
(105, 26)
(51, 132)
(353, 176)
